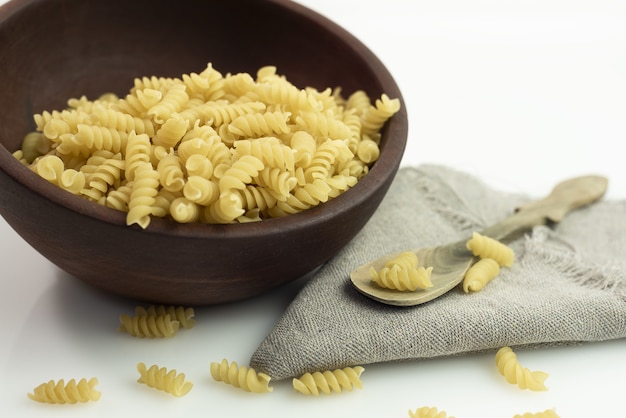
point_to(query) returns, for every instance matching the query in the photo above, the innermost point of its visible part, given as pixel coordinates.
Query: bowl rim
(383, 170)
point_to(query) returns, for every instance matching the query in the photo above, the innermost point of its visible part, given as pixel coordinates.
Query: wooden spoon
(450, 262)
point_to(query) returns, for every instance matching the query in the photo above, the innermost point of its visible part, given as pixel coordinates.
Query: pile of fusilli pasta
(208, 147)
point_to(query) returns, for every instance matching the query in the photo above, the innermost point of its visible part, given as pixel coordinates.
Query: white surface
(521, 93)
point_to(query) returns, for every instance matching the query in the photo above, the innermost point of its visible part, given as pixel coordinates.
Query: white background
(521, 93)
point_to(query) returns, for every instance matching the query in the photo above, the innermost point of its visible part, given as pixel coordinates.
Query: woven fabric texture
(567, 285)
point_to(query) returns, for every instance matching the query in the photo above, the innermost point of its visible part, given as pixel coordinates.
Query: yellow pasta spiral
(172, 101)
(184, 210)
(138, 147)
(375, 116)
(481, 273)
(324, 124)
(61, 393)
(428, 412)
(171, 132)
(270, 147)
(160, 378)
(142, 197)
(548, 413)
(178, 313)
(270, 150)
(106, 116)
(487, 247)
(107, 173)
(50, 167)
(514, 373)
(282, 92)
(171, 175)
(277, 181)
(149, 326)
(327, 154)
(329, 381)
(252, 125)
(223, 112)
(240, 377)
(402, 273)
(240, 173)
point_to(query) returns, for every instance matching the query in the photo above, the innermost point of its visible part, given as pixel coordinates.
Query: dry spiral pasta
(428, 412)
(160, 378)
(210, 124)
(481, 273)
(149, 326)
(329, 381)
(62, 393)
(548, 413)
(183, 315)
(514, 373)
(142, 196)
(402, 273)
(240, 377)
(487, 247)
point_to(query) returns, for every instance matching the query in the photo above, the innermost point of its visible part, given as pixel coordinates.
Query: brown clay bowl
(51, 50)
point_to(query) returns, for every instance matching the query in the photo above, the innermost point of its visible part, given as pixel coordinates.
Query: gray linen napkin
(567, 285)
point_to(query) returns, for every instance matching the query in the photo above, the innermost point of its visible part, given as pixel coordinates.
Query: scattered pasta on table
(240, 377)
(329, 381)
(61, 393)
(149, 326)
(548, 413)
(428, 412)
(183, 315)
(514, 373)
(160, 378)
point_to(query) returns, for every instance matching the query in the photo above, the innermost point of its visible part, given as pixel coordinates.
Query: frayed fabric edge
(584, 272)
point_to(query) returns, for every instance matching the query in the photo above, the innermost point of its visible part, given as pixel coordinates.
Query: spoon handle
(565, 197)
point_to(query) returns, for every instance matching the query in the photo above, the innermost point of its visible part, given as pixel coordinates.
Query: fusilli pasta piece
(227, 208)
(149, 326)
(373, 119)
(201, 190)
(254, 125)
(172, 101)
(178, 313)
(329, 381)
(240, 377)
(138, 149)
(548, 413)
(240, 173)
(487, 247)
(160, 378)
(61, 393)
(514, 373)
(50, 167)
(171, 175)
(142, 196)
(106, 116)
(270, 150)
(428, 412)
(481, 273)
(171, 132)
(402, 273)
(183, 210)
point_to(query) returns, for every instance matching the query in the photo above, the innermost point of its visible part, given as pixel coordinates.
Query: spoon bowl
(451, 262)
